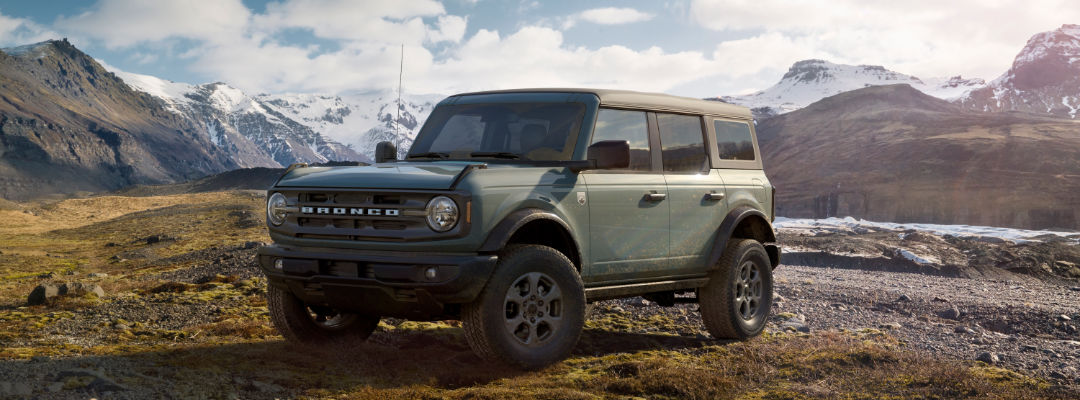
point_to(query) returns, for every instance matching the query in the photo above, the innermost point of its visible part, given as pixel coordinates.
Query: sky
(698, 48)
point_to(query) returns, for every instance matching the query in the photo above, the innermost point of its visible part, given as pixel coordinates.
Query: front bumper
(387, 284)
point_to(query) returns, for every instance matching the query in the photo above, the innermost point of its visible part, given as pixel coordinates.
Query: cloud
(357, 44)
(607, 16)
(921, 37)
(20, 31)
(538, 57)
(451, 28)
(614, 16)
(387, 21)
(122, 23)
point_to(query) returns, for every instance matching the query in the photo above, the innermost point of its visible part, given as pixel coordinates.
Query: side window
(631, 126)
(682, 142)
(733, 140)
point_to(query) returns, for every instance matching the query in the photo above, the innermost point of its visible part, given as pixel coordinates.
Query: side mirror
(609, 154)
(385, 151)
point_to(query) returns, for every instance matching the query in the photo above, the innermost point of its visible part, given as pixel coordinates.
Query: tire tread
(714, 299)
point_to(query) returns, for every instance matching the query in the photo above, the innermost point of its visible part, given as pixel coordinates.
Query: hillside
(892, 153)
(66, 124)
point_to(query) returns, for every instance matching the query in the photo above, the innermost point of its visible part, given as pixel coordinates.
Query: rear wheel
(736, 302)
(300, 323)
(532, 311)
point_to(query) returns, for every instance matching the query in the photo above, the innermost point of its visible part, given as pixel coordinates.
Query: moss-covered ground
(184, 316)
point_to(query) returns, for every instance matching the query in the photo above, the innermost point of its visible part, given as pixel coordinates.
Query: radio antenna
(401, 72)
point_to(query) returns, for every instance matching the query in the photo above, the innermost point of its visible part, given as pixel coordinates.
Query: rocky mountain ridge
(1044, 78)
(359, 119)
(256, 132)
(808, 81)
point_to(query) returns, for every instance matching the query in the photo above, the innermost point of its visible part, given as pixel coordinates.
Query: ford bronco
(514, 209)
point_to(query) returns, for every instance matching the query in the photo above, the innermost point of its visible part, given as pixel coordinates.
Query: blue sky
(687, 47)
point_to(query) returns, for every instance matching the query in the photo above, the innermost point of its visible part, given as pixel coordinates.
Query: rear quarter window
(733, 140)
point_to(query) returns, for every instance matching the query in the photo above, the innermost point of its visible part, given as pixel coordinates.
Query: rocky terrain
(181, 313)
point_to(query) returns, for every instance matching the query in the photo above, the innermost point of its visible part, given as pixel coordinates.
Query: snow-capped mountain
(253, 132)
(360, 120)
(808, 81)
(1044, 78)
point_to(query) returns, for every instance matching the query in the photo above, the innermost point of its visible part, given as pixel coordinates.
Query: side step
(637, 289)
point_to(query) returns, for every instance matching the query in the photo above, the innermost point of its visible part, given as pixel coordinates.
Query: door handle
(714, 196)
(655, 196)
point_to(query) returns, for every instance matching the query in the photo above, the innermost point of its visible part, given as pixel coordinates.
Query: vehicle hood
(398, 175)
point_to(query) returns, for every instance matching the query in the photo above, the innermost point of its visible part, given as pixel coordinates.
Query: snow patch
(963, 231)
(37, 49)
(918, 260)
(1072, 110)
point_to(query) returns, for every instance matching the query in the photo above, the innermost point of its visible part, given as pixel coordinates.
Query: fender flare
(505, 229)
(727, 228)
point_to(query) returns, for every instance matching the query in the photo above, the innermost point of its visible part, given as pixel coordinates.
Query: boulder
(43, 293)
(82, 289)
(952, 313)
(988, 357)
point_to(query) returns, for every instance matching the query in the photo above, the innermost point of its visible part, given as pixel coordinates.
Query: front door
(628, 208)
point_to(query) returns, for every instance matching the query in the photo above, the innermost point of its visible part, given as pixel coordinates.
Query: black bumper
(388, 284)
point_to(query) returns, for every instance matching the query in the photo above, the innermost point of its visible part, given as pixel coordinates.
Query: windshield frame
(584, 130)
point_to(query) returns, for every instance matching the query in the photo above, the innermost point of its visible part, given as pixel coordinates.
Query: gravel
(1017, 321)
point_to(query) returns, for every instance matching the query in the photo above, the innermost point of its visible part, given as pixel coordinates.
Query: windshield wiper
(496, 154)
(430, 154)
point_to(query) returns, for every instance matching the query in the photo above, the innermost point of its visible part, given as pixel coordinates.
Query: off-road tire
(488, 321)
(293, 320)
(720, 302)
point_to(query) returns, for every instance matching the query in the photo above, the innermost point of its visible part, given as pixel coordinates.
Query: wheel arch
(745, 223)
(534, 226)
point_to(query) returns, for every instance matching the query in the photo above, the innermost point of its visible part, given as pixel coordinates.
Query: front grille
(361, 216)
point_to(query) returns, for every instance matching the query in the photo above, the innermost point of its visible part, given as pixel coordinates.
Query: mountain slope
(360, 120)
(808, 81)
(1044, 78)
(892, 153)
(256, 133)
(67, 124)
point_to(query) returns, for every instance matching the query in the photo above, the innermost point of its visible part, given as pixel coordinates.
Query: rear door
(695, 191)
(628, 211)
(739, 162)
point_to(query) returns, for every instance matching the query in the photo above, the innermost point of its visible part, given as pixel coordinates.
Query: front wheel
(303, 324)
(736, 302)
(532, 311)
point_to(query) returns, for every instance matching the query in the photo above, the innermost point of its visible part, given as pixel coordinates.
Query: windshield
(513, 131)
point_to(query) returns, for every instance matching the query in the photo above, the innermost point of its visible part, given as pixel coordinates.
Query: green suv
(514, 209)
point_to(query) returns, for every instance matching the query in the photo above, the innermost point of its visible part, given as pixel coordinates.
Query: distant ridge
(892, 153)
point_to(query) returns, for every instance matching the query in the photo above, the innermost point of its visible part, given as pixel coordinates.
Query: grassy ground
(166, 327)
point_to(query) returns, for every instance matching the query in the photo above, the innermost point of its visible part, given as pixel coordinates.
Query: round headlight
(275, 209)
(442, 214)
